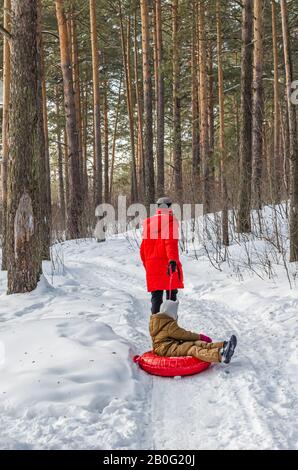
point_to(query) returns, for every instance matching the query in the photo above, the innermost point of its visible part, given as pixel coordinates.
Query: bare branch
(5, 33)
(51, 34)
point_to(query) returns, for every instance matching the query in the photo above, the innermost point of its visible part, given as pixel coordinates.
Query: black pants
(157, 299)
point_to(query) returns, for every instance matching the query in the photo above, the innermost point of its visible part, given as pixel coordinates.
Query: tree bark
(26, 151)
(204, 131)
(177, 148)
(160, 106)
(74, 212)
(222, 149)
(244, 223)
(85, 134)
(141, 169)
(106, 144)
(129, 100)
(211, 112)
(98, 186)
(148, 119)
(66, 171)
(61, 195)
(275, 161)
(258, 104)
(45, 172)
(77, 87)
(195, 105)
(293, 157)
(5, 128)
(114, 141)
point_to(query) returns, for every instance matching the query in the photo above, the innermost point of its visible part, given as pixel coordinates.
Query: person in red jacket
(160, 254)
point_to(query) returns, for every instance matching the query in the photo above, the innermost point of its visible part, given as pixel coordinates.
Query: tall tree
(61, 195)
(275, 161)
(195, 103)
(85, 109)
(148, 118)
(76, 84)
(74, 211)
(129, 100)
(222, 149)
(66, 168)
(106, 142)
(45, 174)
(26, 150)
(244, 223)
(114, 141)
(293, 157)
(140, 146)
(177, 146)
(258, 103)
(204, 128)
(211, 100)
(98, 186)
(5, 128)
(160, 106)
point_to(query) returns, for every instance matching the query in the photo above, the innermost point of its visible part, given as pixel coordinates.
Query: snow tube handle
(136, 359)
(171, 280)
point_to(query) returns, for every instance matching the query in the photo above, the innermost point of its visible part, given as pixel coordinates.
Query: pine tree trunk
(98, 186)
(211, 111)
(114, 141)
(77, 88)
(177, 148)
(204, 130)
(45, 174)
(5, 129)
(129, 100)
(258, 104)
(61, 195)
(141, 169)
(284, 120)
(237, 126)
(77, 94)
(148, 118)
(152, 24)
(66, 172)
(275, 161)
(195, 105)
(244, 223)
(85, 135)
(26, 151)
(293, 157)
(134, 179)
(224, 192)
(106, 145)
(160, 106)
(74, 212)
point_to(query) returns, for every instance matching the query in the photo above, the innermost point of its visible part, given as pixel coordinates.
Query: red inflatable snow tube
(170, 366)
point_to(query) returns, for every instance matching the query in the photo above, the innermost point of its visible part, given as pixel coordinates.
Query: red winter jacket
(158, 248)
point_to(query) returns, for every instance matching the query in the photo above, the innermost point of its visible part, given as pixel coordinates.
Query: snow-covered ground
(68, 380)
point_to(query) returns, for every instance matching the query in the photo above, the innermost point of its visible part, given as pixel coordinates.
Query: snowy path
(248, 404)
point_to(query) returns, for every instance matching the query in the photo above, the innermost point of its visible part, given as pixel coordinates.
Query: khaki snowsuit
(168, 339)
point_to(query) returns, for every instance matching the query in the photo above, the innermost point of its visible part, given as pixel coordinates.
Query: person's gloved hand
(205, 338)
(172, 266)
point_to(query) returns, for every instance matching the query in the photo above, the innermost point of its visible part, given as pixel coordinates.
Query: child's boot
(228, 349)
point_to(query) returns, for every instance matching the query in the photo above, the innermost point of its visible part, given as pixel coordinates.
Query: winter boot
(228, 349)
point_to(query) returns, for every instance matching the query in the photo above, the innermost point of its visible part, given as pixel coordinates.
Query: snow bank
(68, 380)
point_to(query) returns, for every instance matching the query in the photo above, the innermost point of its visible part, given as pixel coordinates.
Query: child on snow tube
(169, 339)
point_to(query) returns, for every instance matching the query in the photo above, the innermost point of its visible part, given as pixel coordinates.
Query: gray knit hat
(170, 308)
(164, 202)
